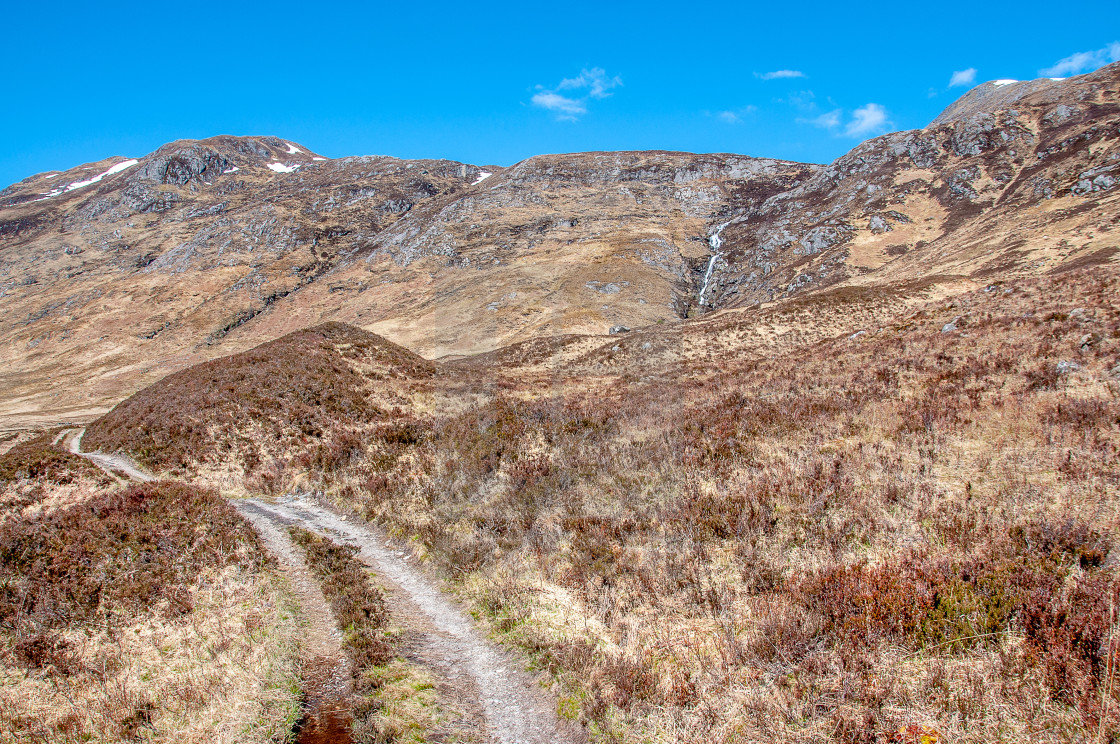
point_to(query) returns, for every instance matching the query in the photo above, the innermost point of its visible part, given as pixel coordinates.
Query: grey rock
(1061, 114)
(605, 288)
(617, 329)
(878, 225)
(1065, 367)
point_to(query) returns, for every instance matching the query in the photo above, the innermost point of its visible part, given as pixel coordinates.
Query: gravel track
(112, 464)
(490, 698)
(496, 701)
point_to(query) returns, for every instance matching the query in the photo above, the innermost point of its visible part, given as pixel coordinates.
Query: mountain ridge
(208, 247)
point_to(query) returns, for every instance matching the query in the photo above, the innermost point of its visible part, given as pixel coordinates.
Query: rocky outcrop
(204, 247)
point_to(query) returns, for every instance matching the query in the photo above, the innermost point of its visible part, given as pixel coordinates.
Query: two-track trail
(485, 696)
(112, 464)
(492, 699)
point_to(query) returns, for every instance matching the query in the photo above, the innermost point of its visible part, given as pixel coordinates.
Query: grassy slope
(315, 385)
(145, 611)
(907, 530)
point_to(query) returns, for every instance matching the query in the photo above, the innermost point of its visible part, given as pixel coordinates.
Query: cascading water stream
(716, 242)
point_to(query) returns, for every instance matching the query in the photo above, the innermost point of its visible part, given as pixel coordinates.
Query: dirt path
(325, 672)
(494, 700)
(112, 464)
(487, 696)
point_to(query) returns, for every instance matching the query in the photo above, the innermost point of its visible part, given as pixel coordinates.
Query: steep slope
(116, 273)
(982, 193)
(109, 285)
(555, 244)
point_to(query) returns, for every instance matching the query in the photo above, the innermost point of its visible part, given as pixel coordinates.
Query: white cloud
(827, 120)
(867, 120)
(594, 80)
(567, 108)
(1080, 62)
(779, 74)
(963, 77)
(593, 84)
(734, 117)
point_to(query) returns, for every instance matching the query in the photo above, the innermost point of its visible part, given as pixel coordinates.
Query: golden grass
(224, 673)
(852, 539)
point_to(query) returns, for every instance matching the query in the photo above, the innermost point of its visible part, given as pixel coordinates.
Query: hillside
(114, 273)
(910, 528)
(723, 448)
(324, 383)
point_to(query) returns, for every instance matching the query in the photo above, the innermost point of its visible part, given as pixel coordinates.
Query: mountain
(115, 273)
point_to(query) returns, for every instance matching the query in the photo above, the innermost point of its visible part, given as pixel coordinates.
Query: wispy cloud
(867, 120)
(963, 77)
(1080, 62)
(802, 100)
(567, 108)
(779, 74)
(827, 120)
(595, 81)
(590, 84)
(733, 116)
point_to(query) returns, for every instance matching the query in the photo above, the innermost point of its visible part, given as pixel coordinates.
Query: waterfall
(716, 242)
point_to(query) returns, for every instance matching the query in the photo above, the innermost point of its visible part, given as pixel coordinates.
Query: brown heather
(905, 533)
(147, 612)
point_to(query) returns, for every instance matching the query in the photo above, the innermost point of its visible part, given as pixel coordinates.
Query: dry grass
(312, 386)
(908, 532)
(394, 700)
(146, 613)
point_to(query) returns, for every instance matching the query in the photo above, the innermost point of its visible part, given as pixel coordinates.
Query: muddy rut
(488, 697)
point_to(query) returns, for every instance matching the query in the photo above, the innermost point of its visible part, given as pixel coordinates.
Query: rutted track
(491, 699)
(111, 464)
(513, 709)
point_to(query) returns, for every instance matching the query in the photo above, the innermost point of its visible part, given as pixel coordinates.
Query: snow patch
(318, 158)
(123, 165)
(281, 168)
(53, 175)
(482, 176)
(234, 169)
(1057, 80)
(1001, 83)
(293, 150)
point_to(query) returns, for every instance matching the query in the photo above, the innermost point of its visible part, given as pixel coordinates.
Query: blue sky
(492, 83)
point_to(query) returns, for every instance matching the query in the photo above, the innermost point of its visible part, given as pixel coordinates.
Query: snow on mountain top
(293, 150)
(318, 158)
(1002, 83)
(482, 176)
(281, 168)
(123, 165)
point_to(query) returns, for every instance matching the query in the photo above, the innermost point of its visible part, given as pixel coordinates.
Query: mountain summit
(114, 273)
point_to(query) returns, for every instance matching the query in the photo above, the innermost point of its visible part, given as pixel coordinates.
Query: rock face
(975, 194)
(115, 273)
